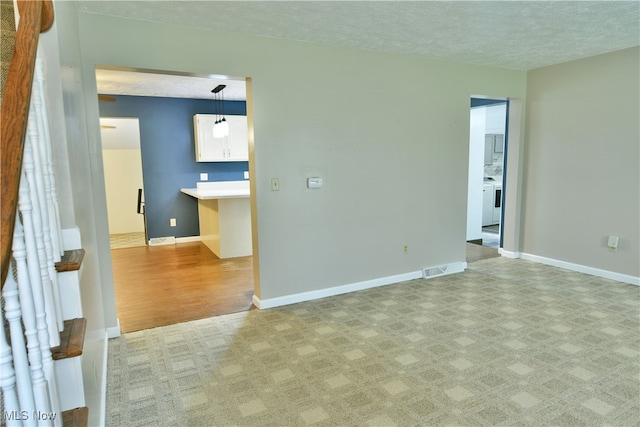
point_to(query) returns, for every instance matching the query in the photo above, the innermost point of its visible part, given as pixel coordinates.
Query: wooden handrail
(36, 16)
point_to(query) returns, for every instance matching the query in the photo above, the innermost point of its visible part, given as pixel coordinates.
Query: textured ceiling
(511, 34)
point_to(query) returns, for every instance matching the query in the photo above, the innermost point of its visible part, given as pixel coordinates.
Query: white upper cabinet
(231, 148)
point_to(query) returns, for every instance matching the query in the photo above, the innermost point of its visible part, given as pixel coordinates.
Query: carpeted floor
(508, 342)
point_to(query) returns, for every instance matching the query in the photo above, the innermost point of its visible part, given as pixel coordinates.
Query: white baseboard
(509, 254)
(188, 239)
(114, 331)
(172, 240)
(352, 287)
(612, 275)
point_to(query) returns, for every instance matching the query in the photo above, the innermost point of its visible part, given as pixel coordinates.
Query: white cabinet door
(231, 148)
(488, 149)
(238, 139)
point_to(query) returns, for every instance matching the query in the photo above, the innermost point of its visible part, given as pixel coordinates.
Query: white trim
(94, 369)
(71, 239)
(509, 254)
(103, 390)
(352, 287)
(172, 240)
(188, 239)
(114, 331)
(606, 274)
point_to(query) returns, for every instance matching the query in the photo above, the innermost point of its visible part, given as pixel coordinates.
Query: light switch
(275, 184)
(204, 177)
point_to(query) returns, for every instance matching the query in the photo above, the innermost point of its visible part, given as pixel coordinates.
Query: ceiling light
(220, 127)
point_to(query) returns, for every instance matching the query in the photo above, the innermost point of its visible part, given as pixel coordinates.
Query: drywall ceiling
(510, 34)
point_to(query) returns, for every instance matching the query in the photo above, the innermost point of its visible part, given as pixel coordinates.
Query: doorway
(180, 281)
(487, 148)
(122, 163)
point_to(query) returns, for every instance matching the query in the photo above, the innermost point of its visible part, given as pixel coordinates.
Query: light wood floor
(162, 285)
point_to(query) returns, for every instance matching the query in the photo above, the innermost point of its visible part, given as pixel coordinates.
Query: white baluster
(50, 181)
(29, 320)
(52, 294)
(40, 225)
(39, 140)
(8, 376)
(44, 362)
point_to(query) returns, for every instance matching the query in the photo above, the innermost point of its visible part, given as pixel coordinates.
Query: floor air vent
(434, 271)
(157, 241)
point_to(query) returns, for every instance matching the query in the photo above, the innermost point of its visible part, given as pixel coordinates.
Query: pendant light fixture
(220, 127)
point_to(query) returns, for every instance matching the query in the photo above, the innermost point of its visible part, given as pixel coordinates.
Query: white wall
(81, 203)
(123, 178)
(395, 162)
(582, 180)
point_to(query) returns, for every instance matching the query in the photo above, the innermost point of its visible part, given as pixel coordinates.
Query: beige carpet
(508, 342)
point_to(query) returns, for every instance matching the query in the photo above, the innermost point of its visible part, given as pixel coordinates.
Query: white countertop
(218, 190)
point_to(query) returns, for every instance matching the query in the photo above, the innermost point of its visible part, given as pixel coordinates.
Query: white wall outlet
(172, 222)
(275, 184)
(204, 177)
(612, 243)
(246, 174)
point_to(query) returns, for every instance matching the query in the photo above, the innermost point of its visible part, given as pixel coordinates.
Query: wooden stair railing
(36, 16)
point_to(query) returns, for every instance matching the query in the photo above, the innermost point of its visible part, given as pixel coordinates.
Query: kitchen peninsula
(224, 213)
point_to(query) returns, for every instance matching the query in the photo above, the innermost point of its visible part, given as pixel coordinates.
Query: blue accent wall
(168, 157)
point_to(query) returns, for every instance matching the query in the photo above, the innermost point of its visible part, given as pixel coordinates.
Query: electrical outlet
(172, 222)
(275, 184)
(246, 174)
(405, 249)
(204, 177)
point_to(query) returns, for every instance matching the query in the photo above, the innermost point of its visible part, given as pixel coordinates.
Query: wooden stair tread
(71, 339)
(71, 261)
(78, 417)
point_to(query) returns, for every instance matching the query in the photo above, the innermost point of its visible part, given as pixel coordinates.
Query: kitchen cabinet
(493, 145)
(231, 148)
